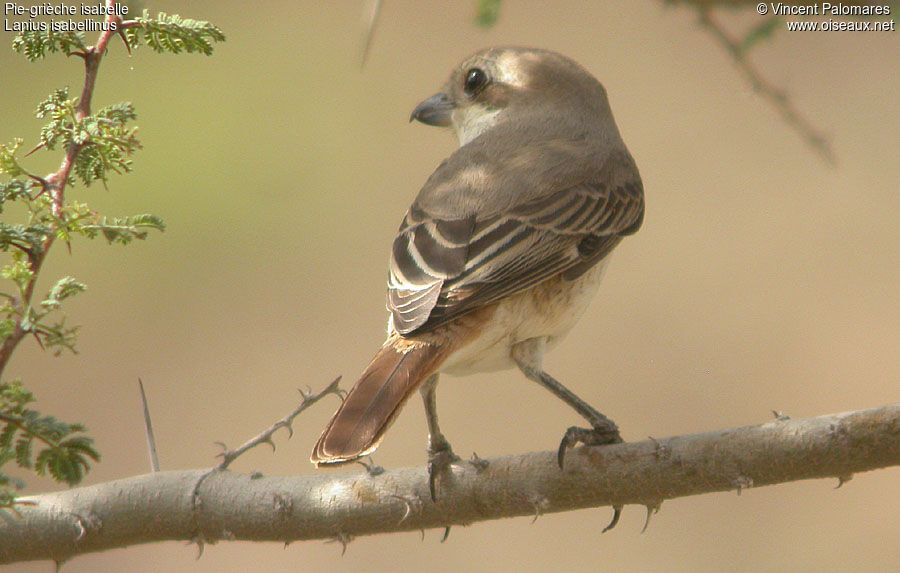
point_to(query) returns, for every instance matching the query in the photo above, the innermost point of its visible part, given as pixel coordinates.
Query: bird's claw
(440, 458)
(599, 435)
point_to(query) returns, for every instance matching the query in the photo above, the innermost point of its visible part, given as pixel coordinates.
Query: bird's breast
(549, 309)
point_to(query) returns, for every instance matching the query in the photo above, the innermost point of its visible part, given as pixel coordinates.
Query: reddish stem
(56, 182)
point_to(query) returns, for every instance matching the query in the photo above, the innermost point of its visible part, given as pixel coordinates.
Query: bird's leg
(440, 455)
(528, 355)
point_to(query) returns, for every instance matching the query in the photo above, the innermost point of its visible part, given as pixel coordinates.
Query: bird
(503, 248)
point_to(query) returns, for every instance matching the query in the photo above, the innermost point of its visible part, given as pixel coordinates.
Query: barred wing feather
(443, 268)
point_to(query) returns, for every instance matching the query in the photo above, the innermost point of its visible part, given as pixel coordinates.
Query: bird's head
(486, 87)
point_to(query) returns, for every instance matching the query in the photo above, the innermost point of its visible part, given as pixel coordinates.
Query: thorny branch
(307, 399)
(228, 506)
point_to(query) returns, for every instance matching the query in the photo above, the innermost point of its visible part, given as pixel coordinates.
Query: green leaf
(34, 43)
(9, 165)
(63, 289)
(15, 190)
(123, 230)
(61, 111)
(6, 439)
(762, 31)
(22, 451)
(19, 271)
(107, 143)
(8, 324)
(14, 397)
(487, 12)
(29, 239)
(65, 455)
(57, 337)
(173, 34)
(119, 113)
(68, 461)
(95, 160)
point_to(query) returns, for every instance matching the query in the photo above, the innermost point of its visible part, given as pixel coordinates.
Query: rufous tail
(367, 412)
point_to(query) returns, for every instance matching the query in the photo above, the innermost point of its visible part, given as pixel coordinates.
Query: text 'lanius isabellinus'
(503, 249)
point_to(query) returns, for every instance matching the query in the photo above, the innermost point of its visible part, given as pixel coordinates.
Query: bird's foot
(440, 458)
(603, 433)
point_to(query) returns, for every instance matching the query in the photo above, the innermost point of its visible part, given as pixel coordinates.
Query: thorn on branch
(197, 504)
(741, 482)
(371, 469)
(651, 509)
(540, 503)
(838, 431)
(148, 430)
(780, 416)
(662, 451)
(480, 464)
(446, 534)
(370, 32)
(307, 399)
(617, 513)
(842, 480)
(37, 339)
(36, 148)
(45, 185)
(121, 34)
(344, 539)
(408, 508)
(80, 527)
(87, 524)
(201, 544)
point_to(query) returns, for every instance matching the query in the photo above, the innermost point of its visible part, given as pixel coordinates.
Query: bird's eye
(476, 80)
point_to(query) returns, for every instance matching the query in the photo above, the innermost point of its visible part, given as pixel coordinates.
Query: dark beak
(435, 110)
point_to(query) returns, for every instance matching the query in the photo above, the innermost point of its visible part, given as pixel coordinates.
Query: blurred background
(763, 278)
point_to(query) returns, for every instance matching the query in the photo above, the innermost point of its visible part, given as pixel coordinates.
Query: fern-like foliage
(96, 145)
(14, 191)
(9, 163)
(60, 110)
(34, 44)
(172, 33)
(64, 288)
(104, 142)
(34, 441)
(123, 230)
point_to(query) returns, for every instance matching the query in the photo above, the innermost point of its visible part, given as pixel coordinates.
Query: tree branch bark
(225, 505)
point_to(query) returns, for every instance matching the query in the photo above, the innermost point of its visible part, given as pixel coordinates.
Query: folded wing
(443, 267)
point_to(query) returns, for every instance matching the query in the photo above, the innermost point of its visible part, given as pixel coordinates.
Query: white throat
(473, 122)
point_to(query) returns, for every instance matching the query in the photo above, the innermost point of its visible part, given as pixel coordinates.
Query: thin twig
(148, 427)
(370, 31)
(307, 399)
(777, 97)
